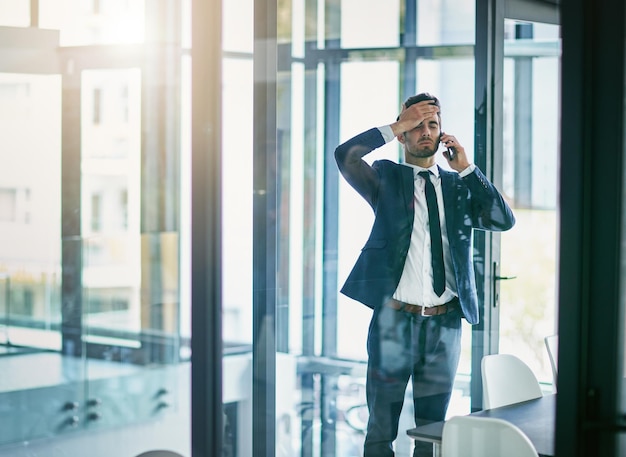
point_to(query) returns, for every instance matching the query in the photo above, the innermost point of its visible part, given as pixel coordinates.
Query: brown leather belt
(424, 310)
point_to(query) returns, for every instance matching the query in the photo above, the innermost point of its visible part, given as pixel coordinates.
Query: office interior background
(174, 231)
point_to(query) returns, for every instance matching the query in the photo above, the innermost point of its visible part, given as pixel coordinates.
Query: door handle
(504, 278)
(495, 266)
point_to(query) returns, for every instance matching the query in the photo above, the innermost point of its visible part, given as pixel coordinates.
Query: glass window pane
(298, 31)
(238, 25)
(445, 23)
(237, 200)
(531, 118)
(90, 302)
(185, 203)
(455, 94)
(30, 210)
(111, 199)
(299, 214)
(370, 23)
(358, 78)
(237, 297)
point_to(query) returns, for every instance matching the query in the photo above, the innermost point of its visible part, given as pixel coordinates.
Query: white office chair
(159, 453)
(506, 380)
(552, 346)
(472, 436)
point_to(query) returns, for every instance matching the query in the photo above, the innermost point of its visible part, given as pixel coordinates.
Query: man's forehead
(432, 118)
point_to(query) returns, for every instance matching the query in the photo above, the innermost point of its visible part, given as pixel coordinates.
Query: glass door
(531, 119)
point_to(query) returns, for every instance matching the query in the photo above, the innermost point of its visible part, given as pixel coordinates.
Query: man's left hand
(459, 160)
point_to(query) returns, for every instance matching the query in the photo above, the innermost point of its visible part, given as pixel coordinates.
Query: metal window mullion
(489, 55)
(330, 248)
(206, 230)
(265, 229)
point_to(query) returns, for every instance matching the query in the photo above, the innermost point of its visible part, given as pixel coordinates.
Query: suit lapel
(448, 189)
(408, 189)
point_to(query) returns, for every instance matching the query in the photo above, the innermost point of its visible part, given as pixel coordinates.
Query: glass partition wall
(92, 345)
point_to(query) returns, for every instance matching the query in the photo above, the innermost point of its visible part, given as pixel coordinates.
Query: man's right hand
(413, 116)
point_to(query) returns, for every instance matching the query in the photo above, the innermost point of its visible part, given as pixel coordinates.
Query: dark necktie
(436, 245)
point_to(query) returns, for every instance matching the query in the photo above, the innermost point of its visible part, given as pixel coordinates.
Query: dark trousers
(403, 346)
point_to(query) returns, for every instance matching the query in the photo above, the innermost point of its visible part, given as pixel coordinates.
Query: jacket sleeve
(489, 209)
(358, 173)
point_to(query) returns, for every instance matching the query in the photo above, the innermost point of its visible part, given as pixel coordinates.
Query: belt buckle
(423, 312)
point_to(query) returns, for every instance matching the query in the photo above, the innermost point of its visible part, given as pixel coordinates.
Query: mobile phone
(451, 151)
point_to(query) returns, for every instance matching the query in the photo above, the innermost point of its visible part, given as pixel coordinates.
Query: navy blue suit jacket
(470, 203)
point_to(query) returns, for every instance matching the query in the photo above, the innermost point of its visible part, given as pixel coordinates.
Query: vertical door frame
(591, 320)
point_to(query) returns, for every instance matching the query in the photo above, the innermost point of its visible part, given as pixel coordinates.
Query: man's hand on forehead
(419, 113)
(413, 115)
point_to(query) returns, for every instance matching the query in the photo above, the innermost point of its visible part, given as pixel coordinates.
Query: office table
(534, 417)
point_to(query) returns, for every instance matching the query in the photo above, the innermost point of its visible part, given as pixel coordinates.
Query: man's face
(423, 140)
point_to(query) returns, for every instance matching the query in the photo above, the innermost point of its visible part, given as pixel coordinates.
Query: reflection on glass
(357, 78)
(30, 210)
(94, 315)
(30, 261)
(89, 292)
(110, 190)
(131, 309)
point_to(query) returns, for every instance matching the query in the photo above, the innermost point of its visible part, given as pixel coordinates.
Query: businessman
(415, 270)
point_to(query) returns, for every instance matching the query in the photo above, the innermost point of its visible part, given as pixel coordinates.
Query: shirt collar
(434, 169)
